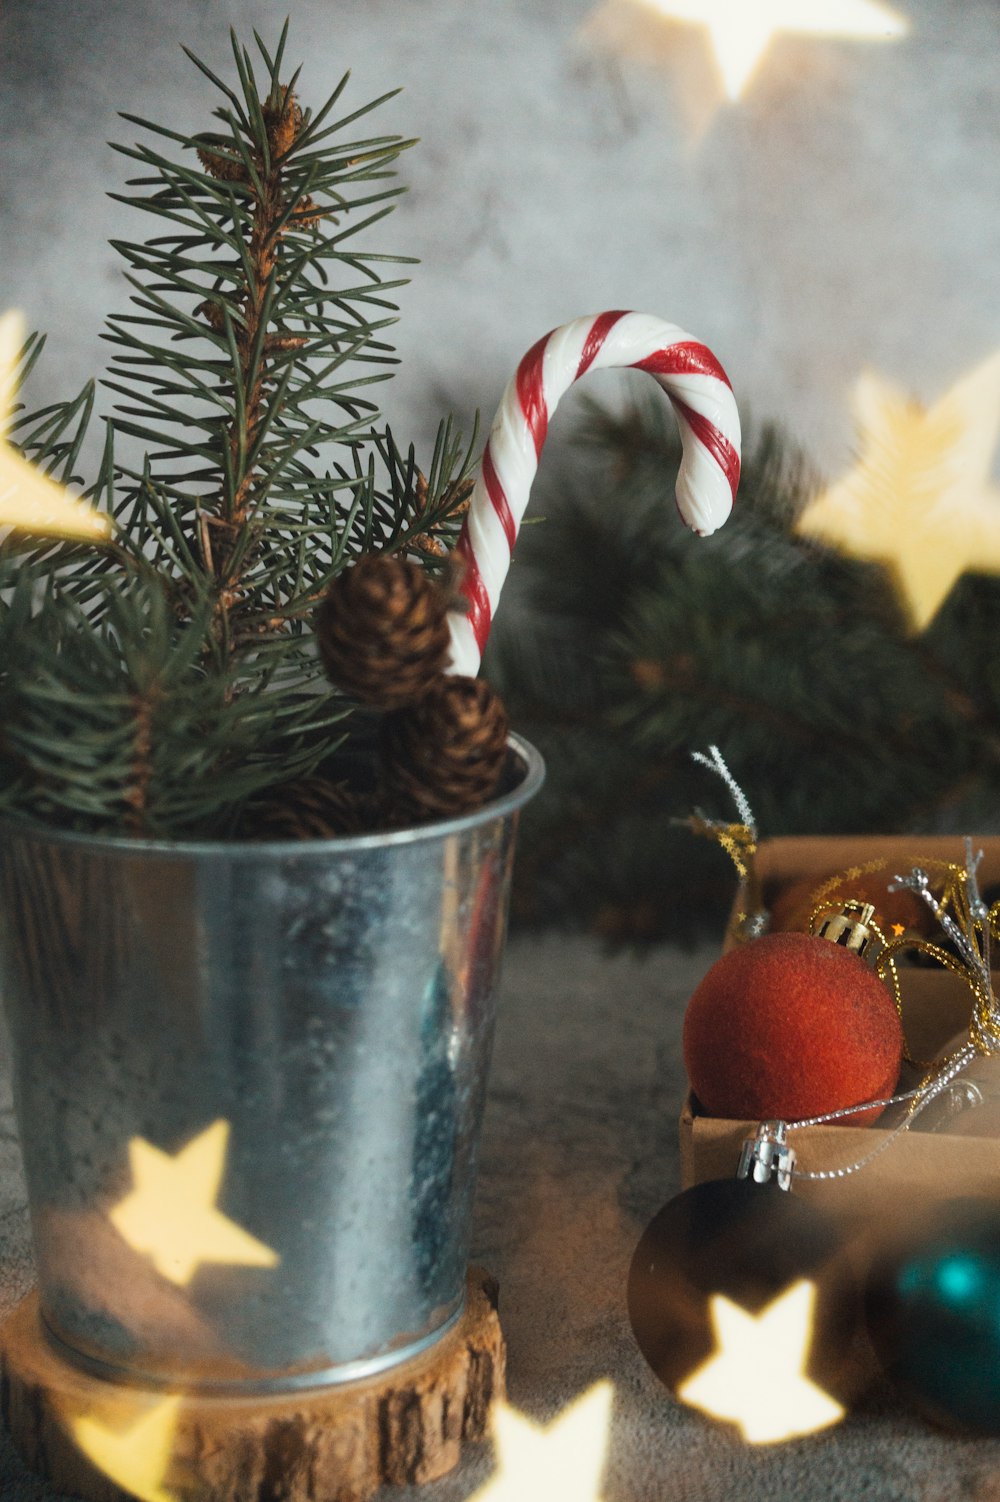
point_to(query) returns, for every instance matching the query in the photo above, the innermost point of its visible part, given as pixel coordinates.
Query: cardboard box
(920, 1165)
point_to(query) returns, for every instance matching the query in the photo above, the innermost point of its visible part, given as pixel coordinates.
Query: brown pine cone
(444, 755)
(383, 631)
(308, 808)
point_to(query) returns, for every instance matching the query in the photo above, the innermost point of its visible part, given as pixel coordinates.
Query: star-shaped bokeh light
(742, 30)
(29, 499)
(170, 1213)
(134, 1455)
(920, 498)
(562, 1459)
(756, 1376)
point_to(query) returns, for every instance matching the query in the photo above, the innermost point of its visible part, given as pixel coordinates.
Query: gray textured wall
(846, 214)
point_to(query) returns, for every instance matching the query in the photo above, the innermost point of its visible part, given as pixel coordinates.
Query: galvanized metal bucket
(294, 1040)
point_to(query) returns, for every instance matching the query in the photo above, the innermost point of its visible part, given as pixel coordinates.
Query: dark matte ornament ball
(749, 1242)
(933, 1309)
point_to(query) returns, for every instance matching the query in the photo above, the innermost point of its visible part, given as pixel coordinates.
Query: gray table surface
(579, 1150)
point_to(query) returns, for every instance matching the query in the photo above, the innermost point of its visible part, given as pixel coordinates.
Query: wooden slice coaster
(339, 1444)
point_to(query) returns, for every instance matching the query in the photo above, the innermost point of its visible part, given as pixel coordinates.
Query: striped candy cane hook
(709, 423)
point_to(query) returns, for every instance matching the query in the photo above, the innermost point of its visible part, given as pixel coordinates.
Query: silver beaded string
(926, 1093)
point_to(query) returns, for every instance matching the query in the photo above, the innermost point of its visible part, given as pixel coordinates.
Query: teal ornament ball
(933, 1310)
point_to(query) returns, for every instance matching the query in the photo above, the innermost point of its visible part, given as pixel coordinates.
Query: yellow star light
(757, 1378)
(919, 500)
(170, 1214)
(28, 498)
(135, 1457)
(563, 1460)
(742, 30)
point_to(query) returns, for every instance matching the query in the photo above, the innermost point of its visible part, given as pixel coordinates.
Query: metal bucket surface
(289, 1039)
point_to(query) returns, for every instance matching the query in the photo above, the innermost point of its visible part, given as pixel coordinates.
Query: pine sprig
(151, 687)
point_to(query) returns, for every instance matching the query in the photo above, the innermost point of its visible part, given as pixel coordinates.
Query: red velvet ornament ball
(788, 1026)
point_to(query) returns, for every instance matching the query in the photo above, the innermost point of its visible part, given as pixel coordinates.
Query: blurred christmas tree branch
(635, 643)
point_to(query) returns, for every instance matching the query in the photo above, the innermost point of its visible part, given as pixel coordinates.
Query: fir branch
(159, 683)
(633, 644)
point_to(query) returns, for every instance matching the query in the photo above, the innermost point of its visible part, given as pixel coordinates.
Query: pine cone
(383, 631)
(308, 808)
(444, 755)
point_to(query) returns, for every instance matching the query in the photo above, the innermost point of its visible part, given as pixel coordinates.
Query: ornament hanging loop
(852, 927)
(767, 1156)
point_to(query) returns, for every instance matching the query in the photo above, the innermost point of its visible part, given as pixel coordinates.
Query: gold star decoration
(135, 1456)
(170, 1212)
(756, 1377)
(742, 30)
(29, 499)
(563, 1459)
(919, 500)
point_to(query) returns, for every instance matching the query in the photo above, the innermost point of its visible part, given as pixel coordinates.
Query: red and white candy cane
(706, 413)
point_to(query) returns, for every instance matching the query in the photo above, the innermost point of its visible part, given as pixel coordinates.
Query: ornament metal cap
(767, 1156)
(848, 927)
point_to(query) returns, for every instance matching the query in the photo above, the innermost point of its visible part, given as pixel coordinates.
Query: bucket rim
(502, 807)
